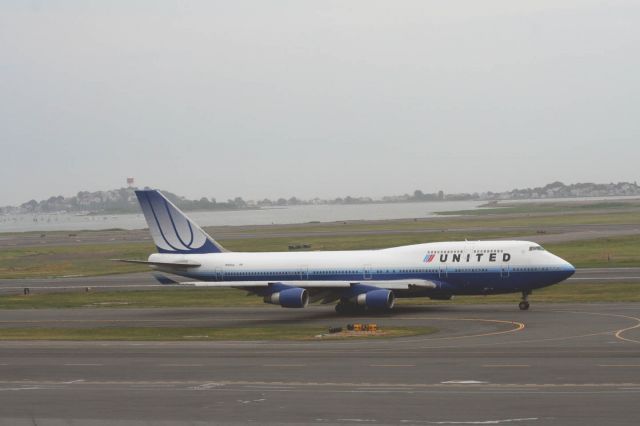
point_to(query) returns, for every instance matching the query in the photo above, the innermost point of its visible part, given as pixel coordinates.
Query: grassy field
(212, 298)
(170, 298)
(560, 293)
(86, 260)
(197, 333)
(601, 252)
(562, 207)
(80, 257)
(58, 261)
(362, 242)
(490, 219)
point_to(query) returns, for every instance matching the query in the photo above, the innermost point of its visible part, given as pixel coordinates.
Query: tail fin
(171, 230)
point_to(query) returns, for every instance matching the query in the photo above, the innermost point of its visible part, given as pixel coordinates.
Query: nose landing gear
(524, 304)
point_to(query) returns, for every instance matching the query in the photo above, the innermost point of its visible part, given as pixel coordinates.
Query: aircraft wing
(389, 285)
(323, 291)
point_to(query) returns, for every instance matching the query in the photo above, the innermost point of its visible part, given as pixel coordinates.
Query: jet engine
(289, 298)
(376, 299)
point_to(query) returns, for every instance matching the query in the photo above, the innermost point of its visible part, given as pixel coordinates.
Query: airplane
(359, 279)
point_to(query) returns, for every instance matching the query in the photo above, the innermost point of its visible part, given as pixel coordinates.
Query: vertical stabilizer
(172, 231)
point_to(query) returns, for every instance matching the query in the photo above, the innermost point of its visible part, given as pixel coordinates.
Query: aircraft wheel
(342, 308)
(346, 308)
(524, 305)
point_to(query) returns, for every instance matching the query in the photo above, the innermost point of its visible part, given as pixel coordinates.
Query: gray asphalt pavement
(557, 364)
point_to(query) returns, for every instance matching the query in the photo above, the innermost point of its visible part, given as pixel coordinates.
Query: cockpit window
(533, 248)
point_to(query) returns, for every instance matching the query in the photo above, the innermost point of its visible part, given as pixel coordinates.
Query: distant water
(285, 215)
(278, 216)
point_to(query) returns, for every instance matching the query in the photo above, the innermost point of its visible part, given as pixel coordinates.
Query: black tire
(342, 308)
(523, 305)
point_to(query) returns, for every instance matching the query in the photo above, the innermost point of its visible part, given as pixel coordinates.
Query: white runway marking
(604, 278)
(463, 382)
(506, 366)
(207, 386)
(284, 365)
(180, 365)
(619, 365)
(390, 389)
(22, 388)
(273, 388)
(241, 401)
(605, 269)
(472, 422)
(392, 365)
(83, 365)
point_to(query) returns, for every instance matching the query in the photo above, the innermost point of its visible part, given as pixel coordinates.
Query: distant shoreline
(294, 215)
(124, 201)
(486, 204)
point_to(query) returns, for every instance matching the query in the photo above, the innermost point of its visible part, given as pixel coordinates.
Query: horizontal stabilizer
(163, 279)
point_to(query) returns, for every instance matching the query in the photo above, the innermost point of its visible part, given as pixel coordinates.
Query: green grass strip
(196, 333)
(212, 298)
(605, 292)
(88, 260)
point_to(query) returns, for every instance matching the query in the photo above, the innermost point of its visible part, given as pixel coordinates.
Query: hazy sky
(316, 98)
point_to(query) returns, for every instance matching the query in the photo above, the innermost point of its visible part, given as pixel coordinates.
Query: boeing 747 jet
(356, 280)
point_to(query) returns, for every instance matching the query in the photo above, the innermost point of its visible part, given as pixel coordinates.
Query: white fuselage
(456, 267)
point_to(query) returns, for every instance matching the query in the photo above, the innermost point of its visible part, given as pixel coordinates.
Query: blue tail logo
(172, 231)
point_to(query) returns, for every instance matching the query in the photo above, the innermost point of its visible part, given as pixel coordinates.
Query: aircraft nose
(568, 269)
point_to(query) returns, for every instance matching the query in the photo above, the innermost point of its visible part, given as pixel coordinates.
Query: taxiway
(557, 364)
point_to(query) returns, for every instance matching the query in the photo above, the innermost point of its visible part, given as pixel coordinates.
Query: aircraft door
(442, 271)
(504, 270)
(304, 273)
(367, 272)
(219, 274)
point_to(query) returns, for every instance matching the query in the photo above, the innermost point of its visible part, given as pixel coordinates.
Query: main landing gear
(524, 304)
(345, 307)
(348, 308)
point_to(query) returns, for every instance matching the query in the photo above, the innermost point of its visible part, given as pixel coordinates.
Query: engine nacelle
(376, 299)
(289, 298)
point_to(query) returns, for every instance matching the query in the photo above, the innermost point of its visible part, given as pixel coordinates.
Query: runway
(145, 281)
(557, 364)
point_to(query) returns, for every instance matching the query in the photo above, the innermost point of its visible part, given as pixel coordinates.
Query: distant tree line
(123, 200)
